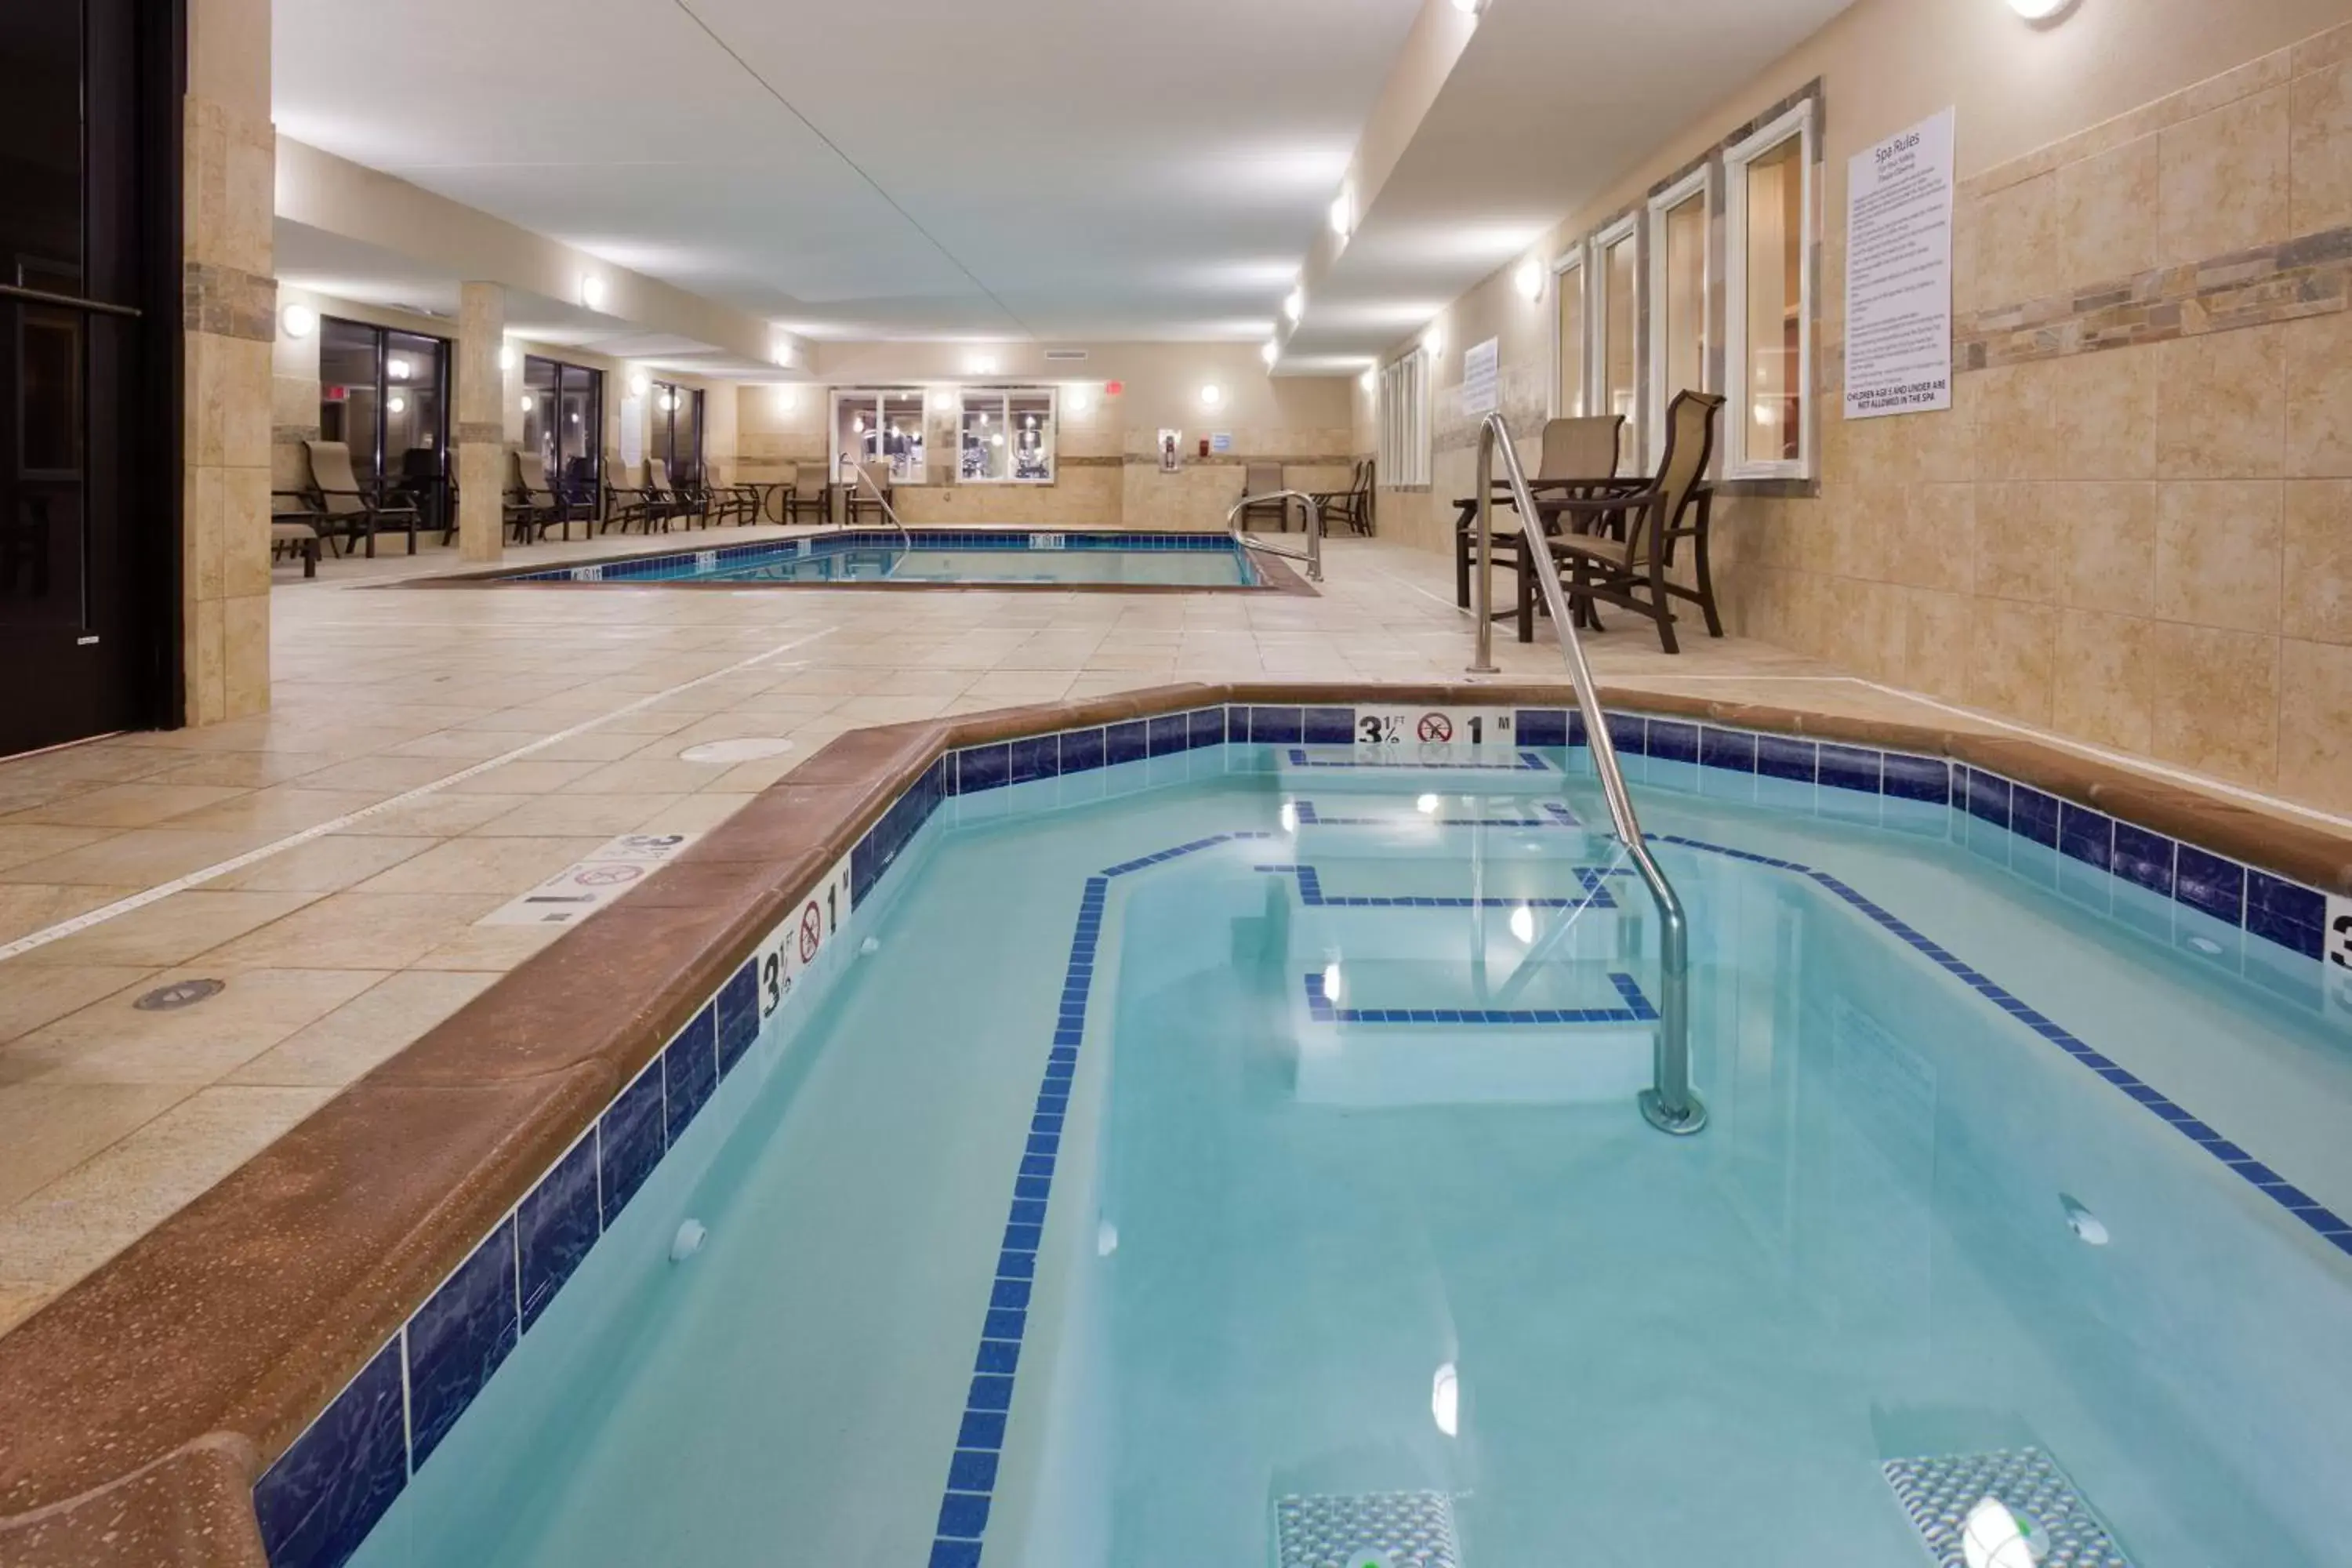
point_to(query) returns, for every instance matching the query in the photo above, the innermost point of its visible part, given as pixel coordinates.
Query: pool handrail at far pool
(1668, 1104)
(1312, 554)
(857, 470)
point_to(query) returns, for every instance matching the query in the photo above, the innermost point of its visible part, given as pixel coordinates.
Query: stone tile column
(229, 306)
(481, 422)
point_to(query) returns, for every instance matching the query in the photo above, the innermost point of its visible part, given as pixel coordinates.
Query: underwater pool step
(1398, 1530)
(1582, 1034)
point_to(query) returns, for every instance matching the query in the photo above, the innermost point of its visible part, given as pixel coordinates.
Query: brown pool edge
(139, 1408)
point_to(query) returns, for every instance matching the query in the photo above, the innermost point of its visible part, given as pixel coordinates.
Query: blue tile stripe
(1636, 1010)
(980, 1431)
(2302, 1206)
(320, 1498)
(1311, 894)
(1549, 814)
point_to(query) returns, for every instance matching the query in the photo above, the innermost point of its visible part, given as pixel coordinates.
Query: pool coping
(1276, 574)
(162, 1384)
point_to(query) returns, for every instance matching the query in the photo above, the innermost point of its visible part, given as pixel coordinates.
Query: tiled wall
(230, 300)
(2132, 526)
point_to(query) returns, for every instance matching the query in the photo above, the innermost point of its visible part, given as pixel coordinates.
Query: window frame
(1003, 397)
(1697, 185)
(664, 443)
(1626, 230)
(1403, 453)
(375, 470)
(1571, 260)
(880, 398)
(1800, 121)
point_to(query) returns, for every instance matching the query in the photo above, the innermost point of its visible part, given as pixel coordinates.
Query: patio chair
(1575, 452)
(294, 528)
(1649, 516)
(874, 493)
(669, 501)
(531, 507)
(1352, 506)
(804, 490)
(1261, 485)
(725, 502)
(351, 511)
(626, 504)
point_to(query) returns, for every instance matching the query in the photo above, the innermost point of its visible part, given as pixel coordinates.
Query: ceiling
(1051, 169)
(1547, 106)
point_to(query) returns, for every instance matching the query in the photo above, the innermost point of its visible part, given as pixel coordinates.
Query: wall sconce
(1343, 212)
(1529, 280)
(1370, 380)
(592, 291)
(2041, 10)
(943, 400)
(1432, 342)
(1296, 305)
(981, 364)
(508, 356)
(1271, 351)
(395, 404)
(529, 403)
(398, 369)
(638, 384)
(299, 321)
(788, 398)
(669, 403)
(1077, 401)
(1211, 394)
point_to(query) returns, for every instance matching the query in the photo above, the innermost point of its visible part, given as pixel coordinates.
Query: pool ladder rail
(1312, 554)
(906, 539)
(1668, 1104)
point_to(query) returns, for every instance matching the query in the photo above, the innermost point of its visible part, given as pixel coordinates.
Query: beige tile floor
(338, 950)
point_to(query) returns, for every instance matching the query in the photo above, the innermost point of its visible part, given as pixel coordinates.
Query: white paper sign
(1898, 276)
(1481, 377)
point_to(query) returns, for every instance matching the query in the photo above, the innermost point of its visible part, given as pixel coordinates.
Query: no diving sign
(583, 887)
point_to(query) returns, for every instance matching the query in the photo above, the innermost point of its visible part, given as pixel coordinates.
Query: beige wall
(2136, 543)
(1108, 471)
(230, 303)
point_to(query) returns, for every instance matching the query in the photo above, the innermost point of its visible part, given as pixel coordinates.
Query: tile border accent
(202, 1362)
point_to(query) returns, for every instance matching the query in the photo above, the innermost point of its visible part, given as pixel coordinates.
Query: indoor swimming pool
(1229, 1155)
(939, 556)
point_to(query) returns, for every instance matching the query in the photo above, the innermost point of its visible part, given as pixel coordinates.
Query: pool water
(1343, 1210)
(929, 555)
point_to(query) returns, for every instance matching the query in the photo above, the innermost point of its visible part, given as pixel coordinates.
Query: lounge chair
(625, 503)
(351, 511)
(1352, 506)
(667, 500)
(872, 493)
(294, 528)
(531, 507)
(1648, 517)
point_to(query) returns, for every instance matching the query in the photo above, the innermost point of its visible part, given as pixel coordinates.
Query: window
(1678, 302)
(1404, 454)
(384, 394)
(1618, 313)
(872, 424)
(678, 431)
(564, 421)
(1006, 437)
(1570, 364)
(1769, 308)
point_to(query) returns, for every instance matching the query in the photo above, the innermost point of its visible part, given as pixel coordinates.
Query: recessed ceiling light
(2040, 10)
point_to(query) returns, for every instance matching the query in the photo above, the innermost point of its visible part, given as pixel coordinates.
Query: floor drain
(1391, 1530)
(179, 993)
(1939, 1491)
(750, 749)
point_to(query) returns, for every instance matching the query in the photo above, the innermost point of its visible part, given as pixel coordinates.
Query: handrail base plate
(1654, 1111)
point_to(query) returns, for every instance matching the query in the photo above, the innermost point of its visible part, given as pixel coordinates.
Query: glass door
(86, 560)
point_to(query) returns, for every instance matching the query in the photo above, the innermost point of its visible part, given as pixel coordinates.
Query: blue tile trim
(555, 1225)
(317, 1503)
(1311, 894)
(1636, 1010)
(980, 1430)
(1528, 762)
(2329, 1226)
(457, 1339)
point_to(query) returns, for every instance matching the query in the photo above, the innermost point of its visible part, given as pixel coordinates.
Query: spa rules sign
(1898, 273)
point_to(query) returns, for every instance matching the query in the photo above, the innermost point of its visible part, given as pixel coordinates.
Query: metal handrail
(1668, 1104)
(1312, 554)
(889, 511)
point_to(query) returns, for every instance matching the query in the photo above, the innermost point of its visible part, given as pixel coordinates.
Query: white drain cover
(1938, 1490)
(1392, 1529)
(750, 749)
